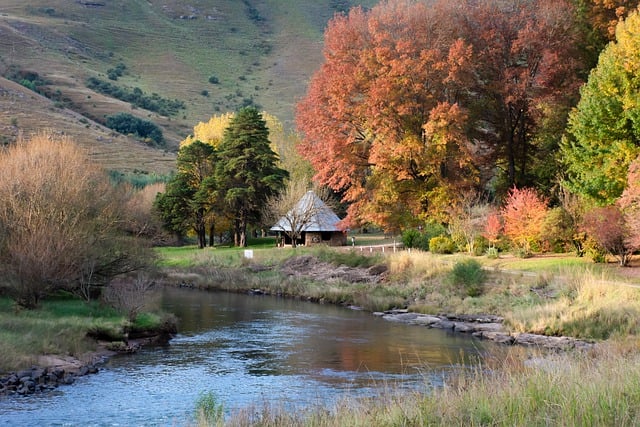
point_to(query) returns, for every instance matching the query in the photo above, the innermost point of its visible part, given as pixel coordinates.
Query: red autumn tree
(382, 120)
(526, 67)
(523, 214)
(607, 226)
(493, 228)
(629, 204)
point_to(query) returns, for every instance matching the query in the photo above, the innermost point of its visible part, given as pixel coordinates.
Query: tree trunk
(212, 230)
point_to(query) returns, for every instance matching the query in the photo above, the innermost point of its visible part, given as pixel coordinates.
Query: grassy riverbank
(555, 295)
(63, 326)
(551, 295)
(601, 388)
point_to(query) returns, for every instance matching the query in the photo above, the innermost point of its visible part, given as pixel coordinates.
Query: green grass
(61, 326)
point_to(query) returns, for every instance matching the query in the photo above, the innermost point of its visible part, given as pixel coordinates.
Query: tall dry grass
(588, 305)
(601, 388)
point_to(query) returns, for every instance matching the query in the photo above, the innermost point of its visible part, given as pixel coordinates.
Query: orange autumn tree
(376, 119)
(523, 215)
(417, 104)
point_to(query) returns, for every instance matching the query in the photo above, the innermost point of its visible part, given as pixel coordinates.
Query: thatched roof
(311, 213)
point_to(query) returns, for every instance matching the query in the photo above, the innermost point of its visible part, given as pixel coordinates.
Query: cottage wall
(332, 238)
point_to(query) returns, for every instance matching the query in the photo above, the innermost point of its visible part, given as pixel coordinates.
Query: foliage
(416, 103)
(246, 173)
(558, 230)
(604, 129)
(60, 222)
(442, 245)
(126, 123)
(128, 295)
(629, 204)
(524, 214)
(118, 71)
(186, 204)
(470, 275)
(209, 411)
(419, 238)
(137, 97)
(607, 226)
(493, 228)
(140, 218)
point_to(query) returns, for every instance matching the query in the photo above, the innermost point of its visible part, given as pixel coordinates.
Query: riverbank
(65, 338)
(560, 301)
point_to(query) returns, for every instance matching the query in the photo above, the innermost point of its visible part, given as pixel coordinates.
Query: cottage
(311, 222)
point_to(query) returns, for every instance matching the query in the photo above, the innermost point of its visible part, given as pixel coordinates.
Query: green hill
(207, 57)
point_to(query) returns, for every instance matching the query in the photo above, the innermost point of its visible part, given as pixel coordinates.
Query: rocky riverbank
(52, 371)
(487, 327)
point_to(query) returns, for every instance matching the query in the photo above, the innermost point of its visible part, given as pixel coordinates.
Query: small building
(314, 221)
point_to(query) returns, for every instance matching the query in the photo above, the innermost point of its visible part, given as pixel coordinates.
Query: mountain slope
(213, 56)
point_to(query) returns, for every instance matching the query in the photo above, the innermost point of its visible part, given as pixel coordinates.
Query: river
(250, 350)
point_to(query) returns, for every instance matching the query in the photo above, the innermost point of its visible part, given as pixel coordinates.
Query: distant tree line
(154, 102)
(126, 123)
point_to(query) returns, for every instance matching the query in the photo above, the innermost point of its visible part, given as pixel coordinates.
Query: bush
(413, 238)
(410, 237)
(59, 223)
(523, 214)
(480, 245)
(209, 412)
(214, 80)
(493, 252)
(470, 275)
(442, 245)
(137, 97)
(126, 123)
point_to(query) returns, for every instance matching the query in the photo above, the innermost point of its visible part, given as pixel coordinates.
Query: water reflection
(250, 350)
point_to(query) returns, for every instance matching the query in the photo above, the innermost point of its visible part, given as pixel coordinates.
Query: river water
(250, 350)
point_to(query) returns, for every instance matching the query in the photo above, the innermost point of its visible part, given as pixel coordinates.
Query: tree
(296, 208)
(246, 174)
(60, 222)
(416, 104)
(525, 52)
(523, 215)
(387, 74)
(629, 205)
(603, 133)
(185, 204)
(606, 225)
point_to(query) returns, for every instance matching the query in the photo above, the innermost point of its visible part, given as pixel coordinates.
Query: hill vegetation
(200, 57)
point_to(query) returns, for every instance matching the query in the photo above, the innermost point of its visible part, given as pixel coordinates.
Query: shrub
(480, 245)
(209, 412)
(442, 245)
(126, 123)
(413, 238)
(607, 227)
(523, 214)
(557, 230)
(470, 275)
(59, 222)
(214, 80)
(137, 97)
(492, 252)
(410, 237)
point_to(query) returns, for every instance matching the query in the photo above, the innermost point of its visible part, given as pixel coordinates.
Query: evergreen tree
(246, 173)
(184, 206)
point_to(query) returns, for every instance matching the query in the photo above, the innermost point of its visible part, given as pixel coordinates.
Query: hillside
(211, 56)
